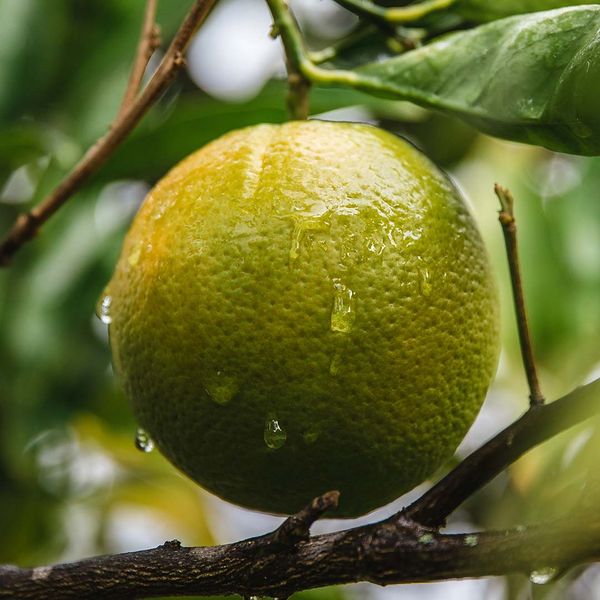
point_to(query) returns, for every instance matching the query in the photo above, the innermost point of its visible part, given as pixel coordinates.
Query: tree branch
(383, 553)
(402, 549)
(539, 423)
(509, 229)
(149, 42)
(28, 224)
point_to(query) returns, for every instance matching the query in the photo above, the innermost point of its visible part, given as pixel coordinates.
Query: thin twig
(296, 528)
(538, 424)
(28, 224)
(509, 228)
(148, 43)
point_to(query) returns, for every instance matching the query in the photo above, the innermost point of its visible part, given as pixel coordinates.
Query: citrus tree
(404, 373)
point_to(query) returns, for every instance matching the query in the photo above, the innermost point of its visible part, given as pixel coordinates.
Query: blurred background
(72, 483)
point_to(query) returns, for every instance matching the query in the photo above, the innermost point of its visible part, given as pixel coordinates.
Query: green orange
(301, 308)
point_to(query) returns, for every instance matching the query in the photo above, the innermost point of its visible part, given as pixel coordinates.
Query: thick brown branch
(397, 550)
(149, 42)
(509, 228)
(28, 225)
(538, 424)
(381, 553)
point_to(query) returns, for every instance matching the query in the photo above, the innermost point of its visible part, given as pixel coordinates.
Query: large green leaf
(486, 10)
(532, 78)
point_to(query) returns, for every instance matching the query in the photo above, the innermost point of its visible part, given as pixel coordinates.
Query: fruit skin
(325, 276)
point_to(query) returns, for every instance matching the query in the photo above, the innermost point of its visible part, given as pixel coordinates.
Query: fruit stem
(509, 228)
(285, 25)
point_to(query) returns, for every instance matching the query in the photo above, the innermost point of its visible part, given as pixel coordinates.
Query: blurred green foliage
(71, 481)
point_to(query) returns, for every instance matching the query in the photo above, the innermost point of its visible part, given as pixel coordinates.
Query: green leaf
(486, 10)
(533, 79)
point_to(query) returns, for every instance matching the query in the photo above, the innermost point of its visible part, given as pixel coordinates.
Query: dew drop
(543, 576)
(304, 221)
(334, 365)
(134, 257)
(143, 442)
(375, 247)
(343, 312)
(425, 282)
(275, 436)
(103, 309)
(221, 388)
(471, 540)
(310, 436)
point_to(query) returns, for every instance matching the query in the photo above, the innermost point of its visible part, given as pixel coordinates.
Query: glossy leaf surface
(484, 10)
(533, 78)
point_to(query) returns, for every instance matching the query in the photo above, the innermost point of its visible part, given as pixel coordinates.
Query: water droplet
(310, 436)
(543, 576)
(375, 247)
(311, 220)
(221, 387)
(412, 234)
(336, 360)
(103, 309)
(425, 282)
(581, 129)
(275, 436)
(134, 257)
(143, 442)
(297, 235)
(426, 538)
(343, 312)
(471, 540)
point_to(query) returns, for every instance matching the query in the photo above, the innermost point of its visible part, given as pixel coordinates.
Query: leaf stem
(509, 228)
(394, 15)
(149, 41)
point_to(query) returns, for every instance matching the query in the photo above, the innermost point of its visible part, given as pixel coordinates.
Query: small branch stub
(509, 229)
(296, 528)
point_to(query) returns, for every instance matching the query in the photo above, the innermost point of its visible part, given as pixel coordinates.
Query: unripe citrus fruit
(304, 307)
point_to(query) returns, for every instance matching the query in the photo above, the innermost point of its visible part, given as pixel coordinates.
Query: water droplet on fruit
(310, 436)
(103, 309)
(296, 241)
(134, 257)
(343, 312)
(334, 365)
(304, 222)
(143, 442)
(425, 282)
(275, 436)
(471, 540)
(221, 387)
(543, 576)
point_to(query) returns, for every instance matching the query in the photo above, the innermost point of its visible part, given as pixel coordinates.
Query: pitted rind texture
(222, 305)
